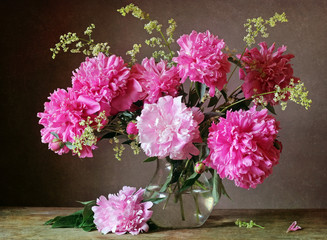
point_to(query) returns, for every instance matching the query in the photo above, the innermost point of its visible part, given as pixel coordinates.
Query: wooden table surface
(27, 223)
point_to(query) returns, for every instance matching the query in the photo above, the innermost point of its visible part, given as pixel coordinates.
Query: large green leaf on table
(80, 219)
(87, 223)
(189, 182)
(200, 89)
(70, 221)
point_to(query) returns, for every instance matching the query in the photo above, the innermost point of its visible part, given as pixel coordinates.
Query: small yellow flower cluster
(154, 41)
(255, 26)
(260, 100)
(170, 30)
(297, 93)
(118, 149)
(135, 147)
(133, 52)
(136, 11)
(152, 25)
(89, 47)
(88, 138)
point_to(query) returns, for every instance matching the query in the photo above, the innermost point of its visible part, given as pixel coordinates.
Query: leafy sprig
(250, 224)
(254, 26)
(82, 45)
(152, 25)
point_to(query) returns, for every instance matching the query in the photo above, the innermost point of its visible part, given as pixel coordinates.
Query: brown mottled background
(31, 175)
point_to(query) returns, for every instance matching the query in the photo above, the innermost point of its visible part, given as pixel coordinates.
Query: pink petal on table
(293, 227)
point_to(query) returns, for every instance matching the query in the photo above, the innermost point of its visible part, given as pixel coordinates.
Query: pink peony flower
(124, 212)
(264, 70)
(131, 129)
(201, 59)
(62, 115)
(157, 80)
(242, 146)
(106, 81)
(169, 128)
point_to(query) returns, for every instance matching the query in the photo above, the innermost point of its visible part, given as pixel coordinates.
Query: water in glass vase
(187, 209)
(190, 209)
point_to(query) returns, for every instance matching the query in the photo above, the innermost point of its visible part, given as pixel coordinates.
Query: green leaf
(89, 228)
(213, 101)
(87, 202)
(224, 94)
(189, 181)
(193, 98)
(177, 167)
(236, 62)
(51, 221)
(69, 145)
(70, 221)
(127, 142)
(271, 108)
(55, 134)
(150, 159)
(214, 183)
(200, 89)
(110, 135)
(242, 105)
(168, 181)
(155, 200)
(127, 114)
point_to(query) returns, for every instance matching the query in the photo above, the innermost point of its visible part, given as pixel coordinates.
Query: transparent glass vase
(176, 209)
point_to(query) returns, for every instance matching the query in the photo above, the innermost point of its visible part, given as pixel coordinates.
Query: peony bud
(132, 129)
(200, 167)
(56, 145)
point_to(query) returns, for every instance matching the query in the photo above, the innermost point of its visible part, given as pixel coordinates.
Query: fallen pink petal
(293, 227)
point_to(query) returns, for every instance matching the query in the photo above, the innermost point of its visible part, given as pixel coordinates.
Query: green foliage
(150, 159)
(189, 182)
(218, 188)
(80, 219)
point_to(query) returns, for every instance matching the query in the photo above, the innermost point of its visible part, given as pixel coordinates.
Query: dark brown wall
(31, 175)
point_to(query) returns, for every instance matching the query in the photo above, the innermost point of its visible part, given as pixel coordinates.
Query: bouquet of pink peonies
(177, 109)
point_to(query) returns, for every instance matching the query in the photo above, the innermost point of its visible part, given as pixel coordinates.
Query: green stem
(166, 202)
(244, 99)
(167, 44)
(258, 226)
(180, 198)
(230, 76)
(235, 90)
(195, 197)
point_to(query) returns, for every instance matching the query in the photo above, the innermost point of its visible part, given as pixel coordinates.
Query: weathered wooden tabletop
(27, 223)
